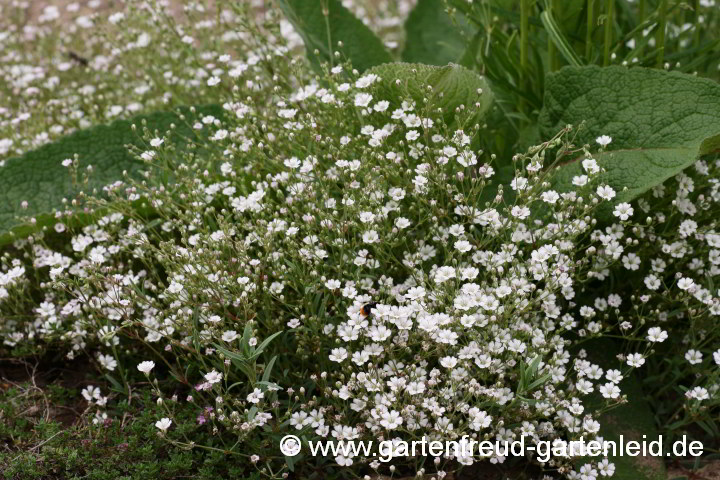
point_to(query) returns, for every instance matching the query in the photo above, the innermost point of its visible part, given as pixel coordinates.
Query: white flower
(605, 192)
(610, 390)
(333, 284)
(175, 287)
(580, 180)
(652, 282)
(255, 396)
(402, 223)
(698, 393)
(163, 424)
(444, 274)
(338, 354)
(606, 468)
(590, 166)
(551, 197)
(146, 366)
(635, 360)
(91, 392)
(107, 361)
(229, 336)
(657, 335)
(213, 377)
(693, 357)
(156, 142)
(391, 419)
(716, 356)
(685, 283)
(362, 99)
(623, 211)
(603, 140)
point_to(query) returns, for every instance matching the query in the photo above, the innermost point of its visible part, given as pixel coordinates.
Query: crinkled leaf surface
(39, 178)
(659, 121)
(452, 86)
(322, 33)
(433, 37)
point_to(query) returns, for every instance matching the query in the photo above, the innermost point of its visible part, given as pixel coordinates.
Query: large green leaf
(433, 37)
(660, 122)
(39, 178)
(452, 86)
(322, 33)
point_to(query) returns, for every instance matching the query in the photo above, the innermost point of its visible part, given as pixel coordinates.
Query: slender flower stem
(609, 7)
(590, 27)
(552, 51)
(524, 39)
(641, 19)
(660, 34)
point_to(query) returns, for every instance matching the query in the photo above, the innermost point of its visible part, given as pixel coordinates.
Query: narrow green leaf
(268, 368)
(265, 343)
(229, 354)
(558, 39)
(322, 32)
(433, 37)
(659, 121)
(39, 178)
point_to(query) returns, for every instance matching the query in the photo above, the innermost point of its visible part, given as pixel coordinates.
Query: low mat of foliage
(390, 220)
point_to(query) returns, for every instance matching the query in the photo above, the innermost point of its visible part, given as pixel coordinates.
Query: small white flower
(657, 335)
(255, 396)
(603, 140)
(146, 366)
(623, 211)
(685, 283)
(213, 377)
(107, 361)
(605, 192)
(635, 360)
(163, 424)
(693, 357)
(338, 354)
(363, 99)
(229, 336)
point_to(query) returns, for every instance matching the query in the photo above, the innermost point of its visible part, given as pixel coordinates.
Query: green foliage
(435, 38)
(39, 178)
(324, 23)
(126, 447)
(660, 122)
(452, 86)
(632, 419)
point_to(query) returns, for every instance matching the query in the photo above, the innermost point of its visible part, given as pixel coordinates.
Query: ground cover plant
(224, 223)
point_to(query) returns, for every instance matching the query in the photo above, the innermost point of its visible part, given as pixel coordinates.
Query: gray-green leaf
(433, 37)
(452, 86)
(660, 122)
(323, 32)
(39, 178)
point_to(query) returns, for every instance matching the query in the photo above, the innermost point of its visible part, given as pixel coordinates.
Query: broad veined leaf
(452, 86)
(322, 32)
(433, 37)
(39, 178)
(660, 122)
